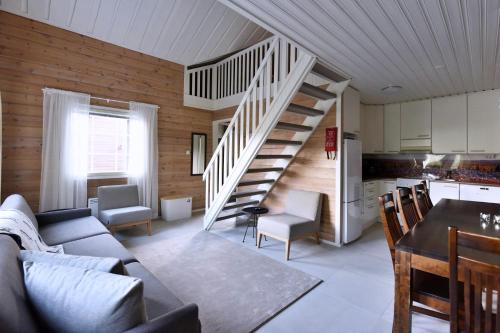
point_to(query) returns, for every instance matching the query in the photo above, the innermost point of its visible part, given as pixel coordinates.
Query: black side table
(254, 212)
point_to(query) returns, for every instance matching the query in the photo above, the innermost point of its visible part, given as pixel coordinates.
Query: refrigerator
(352, 225)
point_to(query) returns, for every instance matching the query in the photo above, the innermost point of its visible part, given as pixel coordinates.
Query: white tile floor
(357, 292)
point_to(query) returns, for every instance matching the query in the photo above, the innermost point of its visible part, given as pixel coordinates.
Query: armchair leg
(149, 227)
(287, 249)
(259, 239)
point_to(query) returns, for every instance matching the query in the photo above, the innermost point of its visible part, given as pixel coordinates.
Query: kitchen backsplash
(465, 168)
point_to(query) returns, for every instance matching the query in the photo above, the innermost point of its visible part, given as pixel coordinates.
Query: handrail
(270, 51)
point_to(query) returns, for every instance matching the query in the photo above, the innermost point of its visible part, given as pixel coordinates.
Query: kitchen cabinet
(351, 111)
(372, 128)
(392, 128)
(449, 125)
(416, 120)
(386, 186)
(444, 190)
(369, 212)
(481, 193)
(483, 120)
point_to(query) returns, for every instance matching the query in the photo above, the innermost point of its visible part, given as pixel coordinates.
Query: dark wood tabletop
(430, 237)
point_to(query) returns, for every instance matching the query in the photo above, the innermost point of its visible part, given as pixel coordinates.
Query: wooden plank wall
(34, 55)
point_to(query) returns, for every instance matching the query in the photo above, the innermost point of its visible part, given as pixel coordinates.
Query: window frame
(106, 111)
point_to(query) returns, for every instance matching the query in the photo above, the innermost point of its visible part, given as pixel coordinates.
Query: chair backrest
(428, 195)
(481, 282)
(407, 209)
(117, 196)
(420, 196)
(306, 204)
(390, 221)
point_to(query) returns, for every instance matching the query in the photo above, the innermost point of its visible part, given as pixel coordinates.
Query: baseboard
(330, 243)
(199, 210)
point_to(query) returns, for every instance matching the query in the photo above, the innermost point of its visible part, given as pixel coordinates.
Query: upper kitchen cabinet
(392, 128)
(416, 120)
(484, 122)
(351, 111)
(449, 125)
(372, 128)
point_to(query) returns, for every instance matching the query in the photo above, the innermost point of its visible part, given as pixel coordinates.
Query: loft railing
(223, 84)
(271, 74)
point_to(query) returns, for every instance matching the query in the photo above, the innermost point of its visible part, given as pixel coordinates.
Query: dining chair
(427, 289)
(477, 312)
(421, 201)
(407, 208)
(428, 194)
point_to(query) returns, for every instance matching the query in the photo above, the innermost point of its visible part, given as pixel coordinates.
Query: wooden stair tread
(255, 182)
(283, 142)
(272, 156)
(225, 217)
(293, 127)
(257, 170)
(316, 92)
(241, 204)
(242, 194)
(304, 110)
(327, 73)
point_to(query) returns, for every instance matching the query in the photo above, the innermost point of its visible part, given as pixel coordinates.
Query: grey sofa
(82, 234)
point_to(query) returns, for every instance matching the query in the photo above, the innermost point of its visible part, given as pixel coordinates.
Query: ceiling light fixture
(391, 89)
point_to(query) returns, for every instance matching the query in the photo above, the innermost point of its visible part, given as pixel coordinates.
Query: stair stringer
(279, 105)
(313, 121)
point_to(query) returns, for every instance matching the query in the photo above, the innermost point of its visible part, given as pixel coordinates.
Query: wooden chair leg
(317, 238)
(259, 238)
(287, 249)
(149, 228)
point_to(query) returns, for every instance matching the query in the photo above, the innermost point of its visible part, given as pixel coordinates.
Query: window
(108, 145)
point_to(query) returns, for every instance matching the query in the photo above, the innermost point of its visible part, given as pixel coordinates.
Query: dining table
(425, 248)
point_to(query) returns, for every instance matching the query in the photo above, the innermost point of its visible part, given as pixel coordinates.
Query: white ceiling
(429, 47)
(183, 31)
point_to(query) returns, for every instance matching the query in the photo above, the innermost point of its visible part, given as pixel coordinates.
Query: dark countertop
(432, 180)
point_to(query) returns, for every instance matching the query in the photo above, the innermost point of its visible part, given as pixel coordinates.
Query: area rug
(236, 289)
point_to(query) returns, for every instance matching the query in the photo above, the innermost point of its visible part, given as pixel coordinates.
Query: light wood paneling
(34, 55)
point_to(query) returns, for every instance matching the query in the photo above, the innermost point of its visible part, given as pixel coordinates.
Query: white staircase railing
(223, 84)
(279, 76)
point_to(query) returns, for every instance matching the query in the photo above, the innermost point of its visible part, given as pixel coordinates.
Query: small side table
(254, 212)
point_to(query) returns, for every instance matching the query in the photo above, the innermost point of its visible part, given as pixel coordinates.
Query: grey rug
(236, 289)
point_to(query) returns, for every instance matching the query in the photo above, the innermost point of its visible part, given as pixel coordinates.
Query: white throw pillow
(108, 265)
(69, 299)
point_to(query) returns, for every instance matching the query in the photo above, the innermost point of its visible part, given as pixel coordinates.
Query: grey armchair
(119, 208)
(300, 219)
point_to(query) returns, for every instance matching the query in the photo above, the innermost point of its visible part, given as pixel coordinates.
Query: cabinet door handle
(393, 151)
(458, 151)
(378, 151)
(484, 188)
(477, 150)
(423, 135)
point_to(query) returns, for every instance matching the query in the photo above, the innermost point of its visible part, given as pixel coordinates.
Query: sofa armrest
(181, 320)
(55, 216)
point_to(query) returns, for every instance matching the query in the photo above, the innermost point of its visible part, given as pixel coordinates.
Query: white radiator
(176, 208)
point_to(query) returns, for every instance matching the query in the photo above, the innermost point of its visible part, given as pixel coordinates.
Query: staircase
(242, 171)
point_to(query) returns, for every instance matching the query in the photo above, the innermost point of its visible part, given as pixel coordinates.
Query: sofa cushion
(16, 201)
(285, 226)
(125, 215)
(158, 298)
(15, 314)
(70, 299)
(103, 245)
(108, 265)
(70, 230)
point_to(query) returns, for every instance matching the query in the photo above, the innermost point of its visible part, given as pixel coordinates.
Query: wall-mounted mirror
(198, 153)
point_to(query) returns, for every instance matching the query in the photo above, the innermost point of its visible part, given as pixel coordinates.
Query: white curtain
(143, 153)
(64, 150)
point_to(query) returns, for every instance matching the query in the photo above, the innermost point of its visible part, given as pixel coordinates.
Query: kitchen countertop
(433, 180)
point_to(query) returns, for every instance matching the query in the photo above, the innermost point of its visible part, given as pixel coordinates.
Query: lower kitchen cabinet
(443, 190)
(481, 193)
